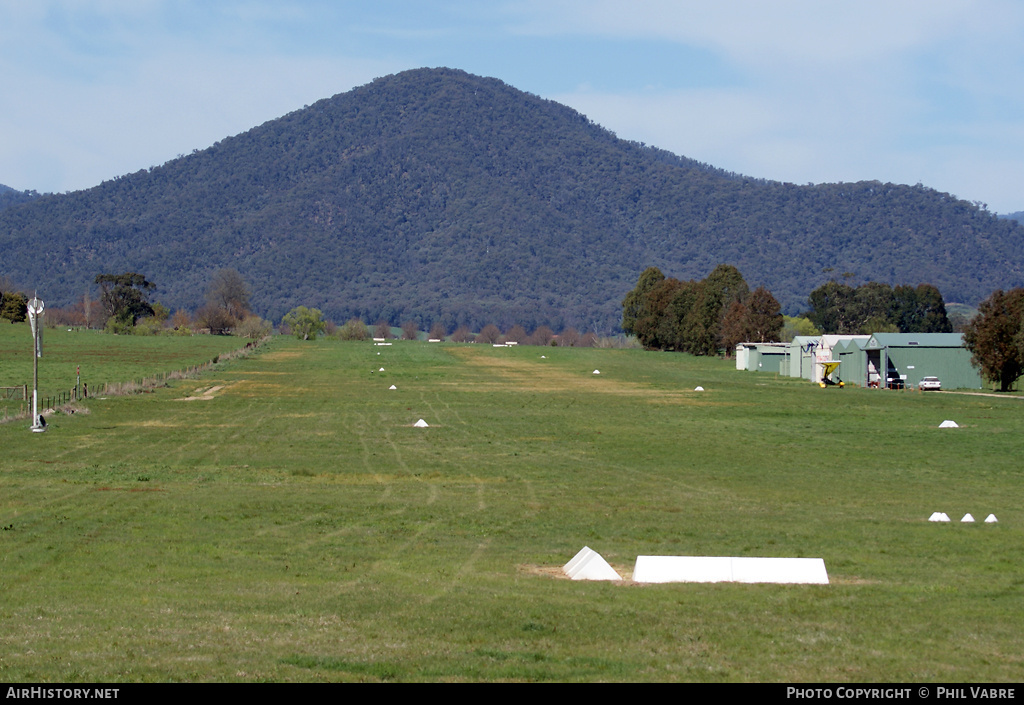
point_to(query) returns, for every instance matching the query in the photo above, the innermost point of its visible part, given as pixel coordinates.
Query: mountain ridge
(435, 195)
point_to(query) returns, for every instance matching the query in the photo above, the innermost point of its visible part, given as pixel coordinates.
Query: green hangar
(878, 360)
(907, 357)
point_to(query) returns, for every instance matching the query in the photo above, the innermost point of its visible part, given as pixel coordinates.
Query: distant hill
(1018, 216)
(440, 196)
(12, 197)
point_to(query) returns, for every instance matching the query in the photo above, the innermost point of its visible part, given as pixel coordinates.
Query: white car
(930, 383)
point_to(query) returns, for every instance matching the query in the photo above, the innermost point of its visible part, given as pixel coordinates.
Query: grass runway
(280, 519)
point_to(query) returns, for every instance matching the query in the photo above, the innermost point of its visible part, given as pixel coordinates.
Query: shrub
(149, 325)
(304, 323)
(542, 336)
(253, 327)
(354, 329)
(489, 335)
(461, 335)
(516, 334)
(569, 338)
(437, 331)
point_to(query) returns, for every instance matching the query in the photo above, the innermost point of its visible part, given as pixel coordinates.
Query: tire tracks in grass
(447, 406)
(433, 491)
(359, 431)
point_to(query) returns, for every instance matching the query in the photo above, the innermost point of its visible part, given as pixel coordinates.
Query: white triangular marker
(392, 387)
(589, 565)
(597, 372)
(936, 516)
(948, 424)
(698, 389)
(967, 518)
(420, 424)
(381, 369)
(991, 519)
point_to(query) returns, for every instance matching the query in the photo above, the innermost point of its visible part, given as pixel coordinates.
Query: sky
(805, 91)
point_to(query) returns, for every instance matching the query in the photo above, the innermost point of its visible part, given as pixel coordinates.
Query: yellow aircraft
(827, 368)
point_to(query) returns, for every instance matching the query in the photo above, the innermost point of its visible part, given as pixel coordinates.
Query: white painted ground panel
(682, 569)
(780, 570)
(714, 569)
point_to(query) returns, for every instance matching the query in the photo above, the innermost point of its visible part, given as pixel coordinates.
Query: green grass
(290, 524)
(102, 358)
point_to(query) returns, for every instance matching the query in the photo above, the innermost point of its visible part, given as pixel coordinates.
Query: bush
(354, 329)
(437, 331)
(462, 335)
(14, 307)
(489, 335)
(304, 323)
(149, 325)
(253, 327)
(542, 336)
(569, 338)
(119, 325)
(516, 334)
(216, 319)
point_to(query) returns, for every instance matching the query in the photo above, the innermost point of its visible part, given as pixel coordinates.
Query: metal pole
(35, 316)
(35, 384)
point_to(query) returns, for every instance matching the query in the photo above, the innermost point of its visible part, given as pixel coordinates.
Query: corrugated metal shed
(853, 361)
(871, 360)
(801, 356)
(912, 356)
(825, 351)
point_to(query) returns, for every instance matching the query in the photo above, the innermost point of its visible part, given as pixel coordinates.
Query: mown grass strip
(281, 519)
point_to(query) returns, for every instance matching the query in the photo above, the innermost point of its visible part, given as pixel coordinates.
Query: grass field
(101, 359)
(281, 519)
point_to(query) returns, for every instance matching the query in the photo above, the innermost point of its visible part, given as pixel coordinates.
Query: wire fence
(53, 402)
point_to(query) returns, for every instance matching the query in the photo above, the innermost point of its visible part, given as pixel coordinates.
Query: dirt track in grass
(544, 375)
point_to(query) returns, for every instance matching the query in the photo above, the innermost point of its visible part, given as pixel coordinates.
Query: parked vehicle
(895, 383)
(930, 383)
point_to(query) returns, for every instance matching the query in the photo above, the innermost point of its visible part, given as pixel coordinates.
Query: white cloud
(752, 31)
(825, 91)
(74, 136)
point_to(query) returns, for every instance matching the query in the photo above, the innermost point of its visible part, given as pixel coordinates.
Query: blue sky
(915, 91)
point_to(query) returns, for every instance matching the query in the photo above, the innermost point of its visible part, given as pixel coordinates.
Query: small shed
(762, 357)
(801, 356)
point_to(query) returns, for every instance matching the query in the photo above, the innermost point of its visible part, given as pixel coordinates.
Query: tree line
(124, 307)
(718, 312)
(715, 314)
(875, 307)
(700, 317)
(433, 194)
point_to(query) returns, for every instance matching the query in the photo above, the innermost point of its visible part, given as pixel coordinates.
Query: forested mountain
(11, 197)
(441, 196)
